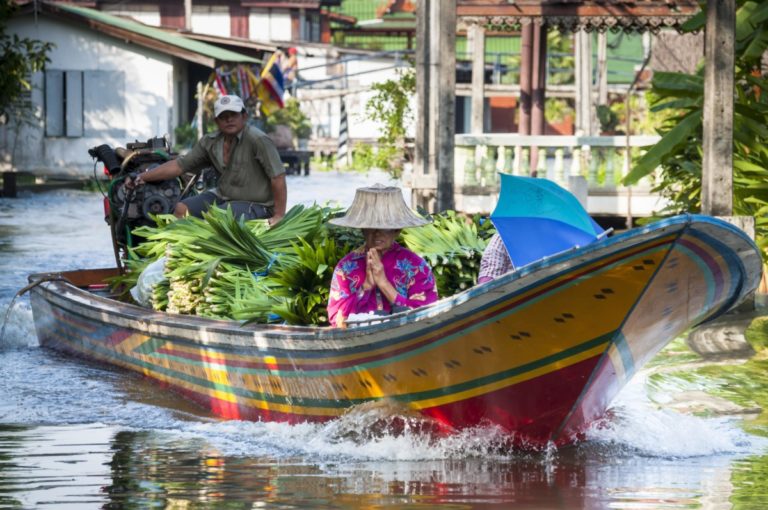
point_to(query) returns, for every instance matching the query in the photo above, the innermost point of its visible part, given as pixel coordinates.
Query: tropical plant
(561, 60)
(390, 106)
(290, 116)
(452, 245)
(557, 109)
(679, 152)
(185, 136)
(366, 157)
(223, 268)
(21, 57)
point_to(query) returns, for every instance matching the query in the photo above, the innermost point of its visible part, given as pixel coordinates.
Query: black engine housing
(129, 208)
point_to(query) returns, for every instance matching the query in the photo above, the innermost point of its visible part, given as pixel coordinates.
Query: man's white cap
(228, 104)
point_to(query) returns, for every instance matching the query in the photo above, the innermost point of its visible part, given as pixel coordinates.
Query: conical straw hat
(379, 207)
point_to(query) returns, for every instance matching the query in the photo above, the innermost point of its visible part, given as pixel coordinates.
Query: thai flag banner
(271, 86)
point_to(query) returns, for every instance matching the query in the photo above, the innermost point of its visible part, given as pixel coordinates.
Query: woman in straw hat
(381, 276)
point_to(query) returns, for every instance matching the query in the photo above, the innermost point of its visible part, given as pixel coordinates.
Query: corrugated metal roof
(151, 37)
(361, 9)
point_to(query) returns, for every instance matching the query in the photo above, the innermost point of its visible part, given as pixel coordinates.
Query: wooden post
(717, 170)
(526, 78)
(436, 92)
(526, 87)
(188, 15)
(442, 63)
(538, 90)
(423, 190)
(476, 33)
(200, 104)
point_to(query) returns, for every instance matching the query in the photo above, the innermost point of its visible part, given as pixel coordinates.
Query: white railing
(601, 160)
(597, 164)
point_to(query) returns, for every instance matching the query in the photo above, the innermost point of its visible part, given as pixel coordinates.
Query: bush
(290, 116)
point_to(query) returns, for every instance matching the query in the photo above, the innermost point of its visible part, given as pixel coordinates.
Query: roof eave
(135, 38)
(586, 15)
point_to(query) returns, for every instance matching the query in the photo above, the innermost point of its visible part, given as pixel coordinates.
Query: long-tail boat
(539, 352)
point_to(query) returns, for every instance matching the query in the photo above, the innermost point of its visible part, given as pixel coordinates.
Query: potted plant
(295, 119)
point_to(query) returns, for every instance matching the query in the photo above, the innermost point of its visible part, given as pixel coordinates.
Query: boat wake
(16, 325)
(637, 426)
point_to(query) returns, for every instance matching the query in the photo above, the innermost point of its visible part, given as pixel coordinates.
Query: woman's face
(380, 239)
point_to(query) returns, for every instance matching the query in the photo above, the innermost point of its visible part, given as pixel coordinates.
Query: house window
(85, 103)
(311, 28)
(64, 103)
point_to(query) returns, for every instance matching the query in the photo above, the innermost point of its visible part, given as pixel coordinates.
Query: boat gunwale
(407, 324)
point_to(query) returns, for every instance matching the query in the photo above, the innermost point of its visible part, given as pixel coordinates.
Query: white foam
(635, 423)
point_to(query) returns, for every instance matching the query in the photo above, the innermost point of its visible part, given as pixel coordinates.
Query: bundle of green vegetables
(220, 267)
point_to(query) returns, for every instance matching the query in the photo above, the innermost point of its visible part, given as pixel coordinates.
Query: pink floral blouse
(409, 274)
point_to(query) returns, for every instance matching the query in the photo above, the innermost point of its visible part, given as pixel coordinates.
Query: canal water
(81, 436)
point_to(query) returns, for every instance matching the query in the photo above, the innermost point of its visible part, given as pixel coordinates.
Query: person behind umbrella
(495, 261)
(381, 276)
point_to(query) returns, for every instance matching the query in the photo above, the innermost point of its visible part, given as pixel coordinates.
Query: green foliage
(679, 153)
(390, 107)
(642, 119)
(557, 109)
(453, 246)
(185, 136)
(323, 163)
(290, 116)
(561, 59)
(21, 57)
(609, 120)
(302, 287)
(223, 268)
(365, 157)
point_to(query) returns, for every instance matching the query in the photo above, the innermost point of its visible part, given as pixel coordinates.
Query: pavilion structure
(438, 22)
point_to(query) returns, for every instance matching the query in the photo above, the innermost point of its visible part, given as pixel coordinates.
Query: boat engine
(125, 209)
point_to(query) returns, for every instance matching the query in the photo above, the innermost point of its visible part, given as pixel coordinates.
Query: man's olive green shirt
(253, 163)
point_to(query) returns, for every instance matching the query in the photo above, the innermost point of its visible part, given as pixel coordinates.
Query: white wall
(322, 104)
(213, 20)
(146, 93)
(270, 25)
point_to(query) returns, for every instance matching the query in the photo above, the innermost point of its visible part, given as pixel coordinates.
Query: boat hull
(539, 353)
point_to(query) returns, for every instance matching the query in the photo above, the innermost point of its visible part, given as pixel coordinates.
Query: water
(75, 435)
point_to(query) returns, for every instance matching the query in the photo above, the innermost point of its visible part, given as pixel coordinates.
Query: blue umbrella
(536, 218)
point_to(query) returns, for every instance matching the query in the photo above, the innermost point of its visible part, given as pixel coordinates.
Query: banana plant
(679, 153)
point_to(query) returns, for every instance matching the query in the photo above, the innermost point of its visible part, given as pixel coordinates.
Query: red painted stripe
(531, 411)
(118, 336)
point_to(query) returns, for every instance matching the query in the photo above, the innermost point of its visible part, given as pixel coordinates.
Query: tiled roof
(627, 15)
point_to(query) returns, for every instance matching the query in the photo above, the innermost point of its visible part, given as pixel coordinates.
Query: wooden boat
(539, 352)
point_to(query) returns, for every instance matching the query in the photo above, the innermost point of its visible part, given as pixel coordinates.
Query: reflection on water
(77, 435)
(94, 466)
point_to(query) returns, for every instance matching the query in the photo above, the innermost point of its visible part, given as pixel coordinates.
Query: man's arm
(167, 170)
(280, 193)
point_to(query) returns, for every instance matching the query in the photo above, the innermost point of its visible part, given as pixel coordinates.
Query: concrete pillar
(583, 83)
(476, 34)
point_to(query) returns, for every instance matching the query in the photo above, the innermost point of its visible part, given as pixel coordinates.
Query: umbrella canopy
(536, 218)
